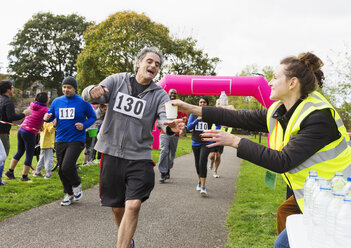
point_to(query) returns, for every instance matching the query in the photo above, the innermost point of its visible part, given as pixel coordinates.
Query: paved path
(174, 216)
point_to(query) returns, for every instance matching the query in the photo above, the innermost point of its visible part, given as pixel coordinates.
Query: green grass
(17, 196)
(250, 220)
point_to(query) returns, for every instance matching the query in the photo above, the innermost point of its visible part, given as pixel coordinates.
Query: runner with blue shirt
(73, 115)
(201, 151)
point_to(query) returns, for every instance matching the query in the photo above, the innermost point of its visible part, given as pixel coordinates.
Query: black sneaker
(25, 179)
(168, 176)
(10, 174)
(163, 177)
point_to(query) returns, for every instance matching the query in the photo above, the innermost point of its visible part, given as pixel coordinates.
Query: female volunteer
(306, 132)
(73, 116)
(201, 151)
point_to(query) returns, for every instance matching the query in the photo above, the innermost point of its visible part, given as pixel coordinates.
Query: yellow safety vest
(334, 157)
(229, 129)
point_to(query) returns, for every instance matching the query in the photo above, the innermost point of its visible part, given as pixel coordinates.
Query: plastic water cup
(171, 111)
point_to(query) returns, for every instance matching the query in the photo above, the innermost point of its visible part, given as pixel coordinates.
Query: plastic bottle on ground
(337, 182)
(347, 187)
(342, 234)
(223, 99)
(307, 191)
(332, 210)
(319, 213)
(315, 191)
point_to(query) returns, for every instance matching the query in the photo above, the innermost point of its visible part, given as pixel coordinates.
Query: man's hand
(47, 116)
(79, 126)
(221, 138)
(176, 125)
(98, 91)
(187, 108)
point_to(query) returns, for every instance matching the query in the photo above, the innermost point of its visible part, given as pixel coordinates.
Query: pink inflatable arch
(255, 86)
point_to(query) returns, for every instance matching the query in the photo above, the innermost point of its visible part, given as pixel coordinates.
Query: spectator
(47, 141)
(26, 135)
(7, 113)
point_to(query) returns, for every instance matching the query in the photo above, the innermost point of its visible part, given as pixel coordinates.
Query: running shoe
(25, 179)
(37, 174)
(163, 177)
(198, 186)
(10, 174)
(2, 183)
(132, 244)
(77, 192)
(215, 175)
(67, 200)
(47, 176)
(203, 192)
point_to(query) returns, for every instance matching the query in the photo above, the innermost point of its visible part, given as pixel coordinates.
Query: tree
(337, 86)
(46, 49)
(112, 45)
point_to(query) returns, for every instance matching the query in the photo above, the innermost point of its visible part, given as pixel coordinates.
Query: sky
(238, 32)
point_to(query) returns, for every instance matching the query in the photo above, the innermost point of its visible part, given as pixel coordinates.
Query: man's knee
(133, 205)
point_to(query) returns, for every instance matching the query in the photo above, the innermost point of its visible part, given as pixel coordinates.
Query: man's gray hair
(141, 55)
(172, 90)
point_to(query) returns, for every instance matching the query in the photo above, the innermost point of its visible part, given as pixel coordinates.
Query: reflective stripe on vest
(334, 157)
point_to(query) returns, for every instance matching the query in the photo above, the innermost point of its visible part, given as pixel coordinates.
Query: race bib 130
(129, 105)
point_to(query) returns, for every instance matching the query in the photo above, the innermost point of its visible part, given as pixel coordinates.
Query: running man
(135, 102)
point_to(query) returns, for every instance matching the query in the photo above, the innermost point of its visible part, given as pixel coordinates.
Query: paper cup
(171, 111)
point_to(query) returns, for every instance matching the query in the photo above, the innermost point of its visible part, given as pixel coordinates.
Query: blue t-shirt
(68, 111)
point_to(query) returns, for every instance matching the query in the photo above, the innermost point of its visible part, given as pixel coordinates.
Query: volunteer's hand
(221, 138)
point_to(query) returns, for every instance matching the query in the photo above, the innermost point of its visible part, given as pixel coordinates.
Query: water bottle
(315, 191)
(337, 182)
(347, 187)
(319, 213)
(307, 191)
(342, 234)
(223, 99)
(332, 210)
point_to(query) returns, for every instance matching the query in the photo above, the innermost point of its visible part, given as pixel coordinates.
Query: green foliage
(251, 219)
(112, 45)
(46, 49)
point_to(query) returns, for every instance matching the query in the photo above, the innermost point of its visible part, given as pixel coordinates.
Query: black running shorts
(217, 149)
(123, 179)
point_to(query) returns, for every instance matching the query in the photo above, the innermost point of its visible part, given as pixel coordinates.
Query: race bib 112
(66, 113)
(129, 105)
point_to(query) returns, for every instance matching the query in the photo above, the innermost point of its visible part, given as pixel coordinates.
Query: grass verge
(251, 219)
